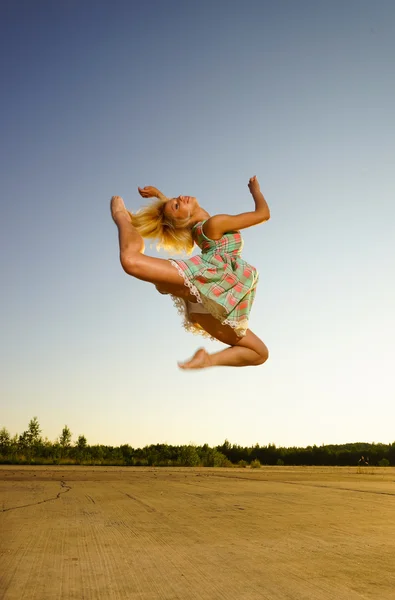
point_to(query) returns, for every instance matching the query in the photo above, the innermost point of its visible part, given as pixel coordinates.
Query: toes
(118, 206)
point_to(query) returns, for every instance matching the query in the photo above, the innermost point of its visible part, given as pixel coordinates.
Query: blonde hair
(171, 235)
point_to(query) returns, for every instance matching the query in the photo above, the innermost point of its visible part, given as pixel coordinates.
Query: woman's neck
(200, 215)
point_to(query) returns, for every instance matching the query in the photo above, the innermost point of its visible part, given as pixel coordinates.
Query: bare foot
(118, 206)
(200, 360)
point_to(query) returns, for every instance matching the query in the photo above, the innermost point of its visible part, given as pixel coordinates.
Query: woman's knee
(131, 263)
(253, 342)
(263, 355)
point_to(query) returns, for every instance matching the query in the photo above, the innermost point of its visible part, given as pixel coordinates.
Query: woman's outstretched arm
(217, 225)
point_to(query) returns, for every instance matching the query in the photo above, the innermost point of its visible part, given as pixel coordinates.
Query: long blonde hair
(171, 235)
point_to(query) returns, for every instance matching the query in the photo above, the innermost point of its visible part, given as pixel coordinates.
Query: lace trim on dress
(181, 306)
(188, 284)
(239, 328)
(188, 325)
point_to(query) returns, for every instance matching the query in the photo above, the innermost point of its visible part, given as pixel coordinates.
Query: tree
(29, 441)
(65, 440)
(81, 448)
(97, 454)
(81, 442)
(5, 440)
(34, 431)
(188, 456)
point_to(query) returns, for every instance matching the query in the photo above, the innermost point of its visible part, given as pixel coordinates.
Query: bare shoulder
(215, 227)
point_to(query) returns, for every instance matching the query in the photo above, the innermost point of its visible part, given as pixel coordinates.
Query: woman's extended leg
(158, 271)
(242, 352)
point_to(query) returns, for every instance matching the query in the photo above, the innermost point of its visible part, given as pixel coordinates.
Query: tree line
(31, 448)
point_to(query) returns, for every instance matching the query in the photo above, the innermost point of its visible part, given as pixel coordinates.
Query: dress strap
(198, 223)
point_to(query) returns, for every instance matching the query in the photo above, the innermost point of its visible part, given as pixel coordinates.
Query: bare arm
(216, 226)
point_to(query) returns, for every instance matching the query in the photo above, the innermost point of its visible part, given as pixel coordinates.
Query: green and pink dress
(222, 282)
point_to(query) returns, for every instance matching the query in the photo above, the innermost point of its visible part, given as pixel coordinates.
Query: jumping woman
(214, 291)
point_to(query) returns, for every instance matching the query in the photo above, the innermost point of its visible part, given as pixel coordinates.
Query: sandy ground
(238, 534)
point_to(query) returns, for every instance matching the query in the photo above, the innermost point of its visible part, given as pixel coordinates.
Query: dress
(220, 279)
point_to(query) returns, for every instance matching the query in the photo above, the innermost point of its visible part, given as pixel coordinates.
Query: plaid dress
(220, 280)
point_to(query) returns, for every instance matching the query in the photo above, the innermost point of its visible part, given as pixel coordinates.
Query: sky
(195, 98)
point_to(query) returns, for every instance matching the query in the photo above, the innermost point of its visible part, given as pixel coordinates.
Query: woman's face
(180, 208)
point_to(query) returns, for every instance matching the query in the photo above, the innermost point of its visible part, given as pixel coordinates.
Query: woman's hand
(149, 192)
(254, 186)
(152, 192)
(261, 206)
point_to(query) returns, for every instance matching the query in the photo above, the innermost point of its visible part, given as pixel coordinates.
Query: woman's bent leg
(242, 352)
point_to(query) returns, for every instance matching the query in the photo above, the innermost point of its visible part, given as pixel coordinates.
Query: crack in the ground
(64, 489)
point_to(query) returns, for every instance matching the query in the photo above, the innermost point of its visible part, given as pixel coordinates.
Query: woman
(214, 290)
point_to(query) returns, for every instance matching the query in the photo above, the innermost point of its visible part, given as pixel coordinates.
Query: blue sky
(194, 98)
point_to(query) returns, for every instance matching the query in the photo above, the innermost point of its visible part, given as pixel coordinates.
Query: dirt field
(274, 533)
